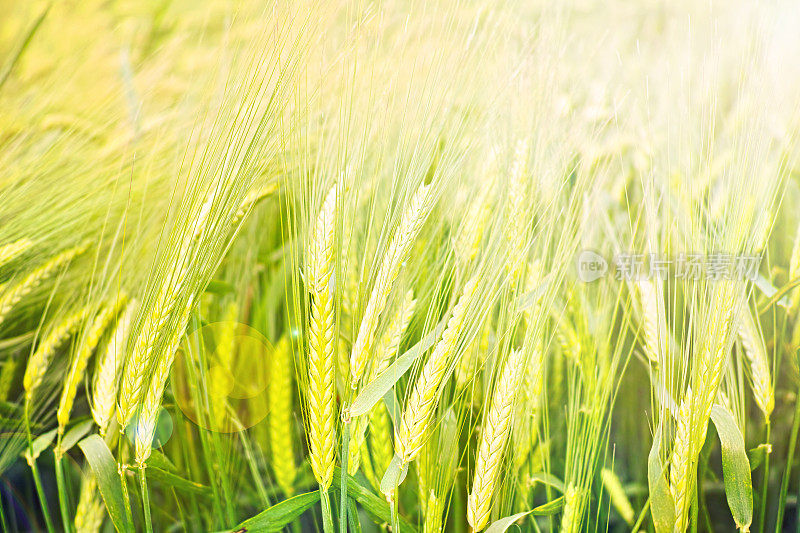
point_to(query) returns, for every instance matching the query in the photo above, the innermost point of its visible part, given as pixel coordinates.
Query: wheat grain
(433, 514)
(679, 461)
(410, 225)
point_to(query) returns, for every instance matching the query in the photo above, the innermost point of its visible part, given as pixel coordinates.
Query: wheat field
(443, 266)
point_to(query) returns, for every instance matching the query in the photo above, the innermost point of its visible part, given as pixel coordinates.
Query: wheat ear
(411, 434)
(573, 510)
(133, 377)
(496, 429)
(90, 511)
(380, 437)
(321, 386)
(617, 494)
(104, 385)
(679, 461)
(516, 222)
(253, 198)
(7, 375)
(695, 409)
(157, 317)
(224, 351)
(794, 269)
(385, 350)
(12, 250)
(756, 354)
(12, 296)
(410, 225)
(81, 359)
(279, 391)
(653, 320)
(151, 400)
(40, 359)
(433, 514)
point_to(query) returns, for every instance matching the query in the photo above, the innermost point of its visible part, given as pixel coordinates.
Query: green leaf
(549, 508)
(394, 475)
(219, 287)
(161, 461)
(179, 483)
(75, 433)
(39, 445)
(735, 467)
(662, 506)
(757, 455)
(373, 504)
(548, 479)
(378, 387)
(501, 525)
(774, 295)
(280, 515)
(108, 481)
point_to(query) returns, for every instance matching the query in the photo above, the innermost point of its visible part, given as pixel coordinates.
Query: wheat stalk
(491, 447)
(411, 434)
(410, 225)
(279, 393)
